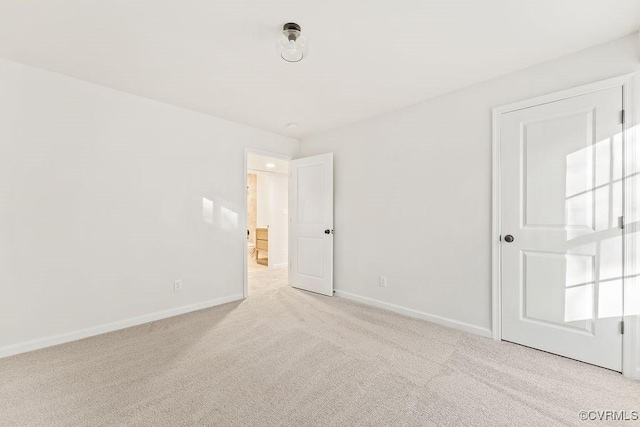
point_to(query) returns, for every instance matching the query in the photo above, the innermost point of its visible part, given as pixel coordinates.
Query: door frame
(627, 82)
(258, 152)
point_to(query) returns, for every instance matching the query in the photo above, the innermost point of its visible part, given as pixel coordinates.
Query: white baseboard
(39, 343)
(444, 321)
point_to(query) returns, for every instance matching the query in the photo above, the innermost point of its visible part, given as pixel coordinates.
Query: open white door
(311, 224)
(561, 196)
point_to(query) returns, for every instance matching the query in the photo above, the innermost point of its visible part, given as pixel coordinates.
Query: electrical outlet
(383, 281)
(177, 285)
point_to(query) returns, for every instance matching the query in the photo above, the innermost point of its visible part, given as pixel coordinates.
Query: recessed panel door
(561, 248)
(311, 227)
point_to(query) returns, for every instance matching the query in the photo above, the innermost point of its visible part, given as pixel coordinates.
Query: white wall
(413, 191)
(278, 220)
(101, 207)
(262, 197)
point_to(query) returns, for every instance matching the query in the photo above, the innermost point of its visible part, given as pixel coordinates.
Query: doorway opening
(267, 213)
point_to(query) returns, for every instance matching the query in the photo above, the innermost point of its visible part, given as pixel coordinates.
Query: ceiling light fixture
(292, 46)
(270, 165)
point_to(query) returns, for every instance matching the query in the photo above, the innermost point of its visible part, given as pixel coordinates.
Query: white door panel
(561, 197)
(311, 215)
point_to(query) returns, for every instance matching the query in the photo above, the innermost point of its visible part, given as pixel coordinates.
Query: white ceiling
(365, 57)
(259, 163)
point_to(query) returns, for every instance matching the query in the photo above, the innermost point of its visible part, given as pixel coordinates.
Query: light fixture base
(291, 26)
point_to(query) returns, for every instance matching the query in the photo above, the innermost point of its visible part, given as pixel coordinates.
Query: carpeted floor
(287, 357)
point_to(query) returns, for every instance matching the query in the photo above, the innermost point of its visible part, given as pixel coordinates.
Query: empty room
(297, 213)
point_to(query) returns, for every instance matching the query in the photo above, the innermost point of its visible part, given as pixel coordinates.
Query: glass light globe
(292, 46)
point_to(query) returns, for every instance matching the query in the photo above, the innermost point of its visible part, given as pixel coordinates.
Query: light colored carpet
(287, 357)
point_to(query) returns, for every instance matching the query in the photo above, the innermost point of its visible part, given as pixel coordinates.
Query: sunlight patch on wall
(207, 210)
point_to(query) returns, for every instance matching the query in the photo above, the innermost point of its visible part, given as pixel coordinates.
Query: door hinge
(622, 116)
(621, 222)
(622, 327)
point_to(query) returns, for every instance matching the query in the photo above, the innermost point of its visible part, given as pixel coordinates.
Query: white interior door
(561, 198)
(311, 224)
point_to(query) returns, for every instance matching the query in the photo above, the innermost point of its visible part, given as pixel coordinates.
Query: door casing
(630, 352)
